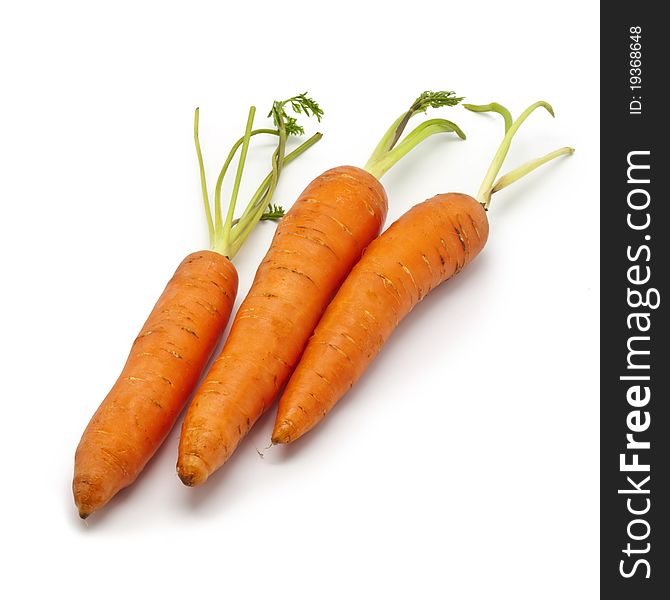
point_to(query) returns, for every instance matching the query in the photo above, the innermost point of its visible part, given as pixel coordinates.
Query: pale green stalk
(203, 179)
(384, 144)
(251, 218)
(227, 236)
(261, 199)
(386, 153)
(212, 229)
(526, 168)
(488, 187)
(225, 230)
(224, 170)
(412, 139)
(493, 107)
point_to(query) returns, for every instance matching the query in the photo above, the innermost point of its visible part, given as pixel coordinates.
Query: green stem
(278, 161)
(526, 168)
(224, 235)
(258, 203)
(383, 157)
(485, 190)
(384, 144)
(219, 182)
(493, 107)
(411, 141)
(261, 199)
(278, 158)
(203, 178)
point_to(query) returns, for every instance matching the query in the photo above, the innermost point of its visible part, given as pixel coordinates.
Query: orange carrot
(315, 246)
(177, 339)
(426, 246)
(163, 367)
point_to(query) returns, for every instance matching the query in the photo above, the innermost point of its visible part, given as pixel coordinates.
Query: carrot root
(316, 244)
(164, 364)
(192, 470)
(426, 246)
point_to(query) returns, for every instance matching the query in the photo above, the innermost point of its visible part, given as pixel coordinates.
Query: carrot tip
(284, 433)
(88, 497)
(192, 470)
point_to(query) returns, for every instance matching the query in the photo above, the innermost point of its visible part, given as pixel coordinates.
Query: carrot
(315, 246)
(180, 334)
(426, 246)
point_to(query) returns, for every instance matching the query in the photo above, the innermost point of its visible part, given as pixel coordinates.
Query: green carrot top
(226, 236)
(390, 149)
(488, 187)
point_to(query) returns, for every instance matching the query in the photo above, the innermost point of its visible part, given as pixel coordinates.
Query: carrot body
(314, 248)
(426, 246)
(162, 369)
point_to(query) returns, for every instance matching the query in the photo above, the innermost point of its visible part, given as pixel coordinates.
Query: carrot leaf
(300, 104)
(413, 139)
(384, 156)
(226, 236)
(273, 212)
(287, 125)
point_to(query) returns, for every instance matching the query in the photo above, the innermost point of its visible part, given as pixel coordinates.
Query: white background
(464, 463)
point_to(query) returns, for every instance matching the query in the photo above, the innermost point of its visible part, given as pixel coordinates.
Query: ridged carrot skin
(162, 369)
(315, 246)
(426, 246)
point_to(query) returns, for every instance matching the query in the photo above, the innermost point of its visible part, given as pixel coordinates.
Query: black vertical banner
(635, 338)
